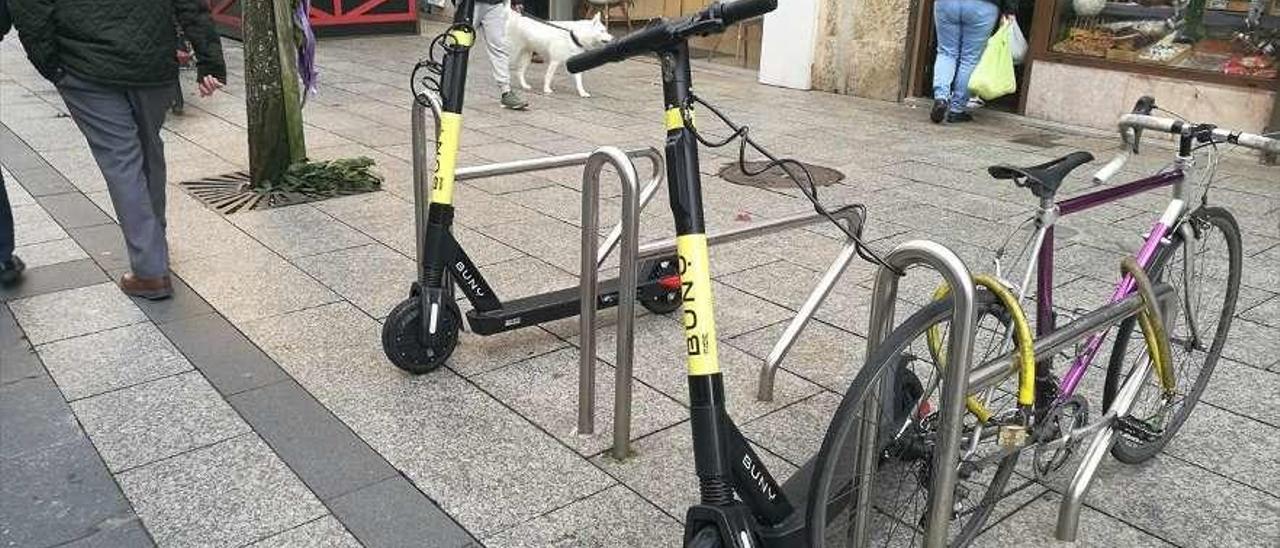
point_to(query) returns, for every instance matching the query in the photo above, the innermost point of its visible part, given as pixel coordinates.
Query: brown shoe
(153, 289)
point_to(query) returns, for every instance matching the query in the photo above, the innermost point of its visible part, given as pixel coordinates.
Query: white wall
(786, 50)
(1097, 97)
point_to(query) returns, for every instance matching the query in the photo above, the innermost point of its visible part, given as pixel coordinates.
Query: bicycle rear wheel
(1205, 275)
(905, 426)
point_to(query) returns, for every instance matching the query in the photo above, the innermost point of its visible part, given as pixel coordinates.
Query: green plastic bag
(994, 77)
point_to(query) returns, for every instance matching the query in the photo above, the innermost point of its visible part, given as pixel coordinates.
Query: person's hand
(1008, 18)
(209, 84)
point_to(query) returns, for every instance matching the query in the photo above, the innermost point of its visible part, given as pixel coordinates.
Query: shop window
(1226, 41)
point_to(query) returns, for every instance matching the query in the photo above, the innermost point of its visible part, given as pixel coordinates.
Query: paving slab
(249, 287)
(34, 418)
(476, 354)
(1154, 497)
(231, 493)
(325, 454)
(74, 312)
(663, 366)
(822, 354)
(372, 277)
(297, 231)
(613, 517)
(325, 532)
(184, 304)
(795, 432)
(662, 469)
(1248, 459)
(1231, 379)
(104, 244)
(462, 460)
(544, 390)
(49, 253)
(159, 419)
(227, 359)
(63, 494)
(32, 225)
(1034, 526)
(18, 361)
(112, 359)
(73, 210)
(1252, 343)
(394, 513)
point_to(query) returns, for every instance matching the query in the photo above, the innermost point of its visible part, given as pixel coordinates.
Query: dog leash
(572, 36)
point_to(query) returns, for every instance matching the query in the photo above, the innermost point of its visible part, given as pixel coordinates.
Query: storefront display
(1224, 41)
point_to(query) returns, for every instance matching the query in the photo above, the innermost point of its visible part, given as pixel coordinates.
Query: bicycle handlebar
(662, 33)
(1131, 126)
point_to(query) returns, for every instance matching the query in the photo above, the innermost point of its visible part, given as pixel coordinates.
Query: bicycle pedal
(1134, 428)
(1012, 436)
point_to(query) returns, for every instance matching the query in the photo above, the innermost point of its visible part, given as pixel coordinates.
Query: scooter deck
(546, 307)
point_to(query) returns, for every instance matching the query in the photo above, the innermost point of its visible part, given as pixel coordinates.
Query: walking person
(113, 63)
(963, 27)
(490, 19)
(11, 266)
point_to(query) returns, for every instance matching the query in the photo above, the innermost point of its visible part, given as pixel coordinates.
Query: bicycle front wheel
(1204, 270)
(893, 404)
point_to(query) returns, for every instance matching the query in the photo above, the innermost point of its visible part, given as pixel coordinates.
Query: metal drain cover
(775, 177)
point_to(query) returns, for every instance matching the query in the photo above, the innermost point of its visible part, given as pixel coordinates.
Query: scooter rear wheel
(667, 301)
(402, 337)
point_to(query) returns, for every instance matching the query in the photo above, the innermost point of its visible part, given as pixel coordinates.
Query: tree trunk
(271, 83)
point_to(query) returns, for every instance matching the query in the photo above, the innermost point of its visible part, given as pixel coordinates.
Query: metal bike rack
(954, 383)
(624, 365)
(769, 371)
(624, 233)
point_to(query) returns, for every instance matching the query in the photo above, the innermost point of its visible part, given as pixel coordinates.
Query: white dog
(555, 41)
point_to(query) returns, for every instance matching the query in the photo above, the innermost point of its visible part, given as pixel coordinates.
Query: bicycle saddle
(1043, 179)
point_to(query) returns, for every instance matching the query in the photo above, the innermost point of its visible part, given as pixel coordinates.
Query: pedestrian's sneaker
(514, 101)
(11, 271)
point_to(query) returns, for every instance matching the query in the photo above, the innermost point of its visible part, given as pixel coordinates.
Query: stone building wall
(861, 48)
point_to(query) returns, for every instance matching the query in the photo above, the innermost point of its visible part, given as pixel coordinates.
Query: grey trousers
(491, 20)
(122, 126)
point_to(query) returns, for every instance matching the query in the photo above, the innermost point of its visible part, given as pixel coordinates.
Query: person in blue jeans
(963, 27)
(11, 266)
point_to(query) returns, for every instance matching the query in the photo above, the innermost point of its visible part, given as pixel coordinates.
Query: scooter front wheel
(403, 337)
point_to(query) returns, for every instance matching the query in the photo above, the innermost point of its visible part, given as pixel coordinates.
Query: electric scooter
(422, 331)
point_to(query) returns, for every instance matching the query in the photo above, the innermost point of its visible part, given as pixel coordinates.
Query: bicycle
(1024, 407)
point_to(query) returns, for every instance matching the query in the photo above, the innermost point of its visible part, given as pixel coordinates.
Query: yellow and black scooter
(421, 332)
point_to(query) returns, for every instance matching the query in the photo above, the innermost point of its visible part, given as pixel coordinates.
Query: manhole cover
(1039, 140)
(230, 193)
(775, 177)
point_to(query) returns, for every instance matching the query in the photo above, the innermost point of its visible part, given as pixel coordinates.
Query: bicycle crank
(1057, 446)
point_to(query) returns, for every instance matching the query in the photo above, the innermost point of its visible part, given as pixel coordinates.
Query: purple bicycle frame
(1044, 280)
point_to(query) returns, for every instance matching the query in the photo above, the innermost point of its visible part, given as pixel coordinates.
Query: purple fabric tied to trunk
(306, 49)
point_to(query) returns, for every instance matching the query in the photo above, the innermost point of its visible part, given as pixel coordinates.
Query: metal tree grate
(775, 177)
(231, 193)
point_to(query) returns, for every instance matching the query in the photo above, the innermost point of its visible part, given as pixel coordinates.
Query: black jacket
(5, 21)
(1006, 6)
(116, 42)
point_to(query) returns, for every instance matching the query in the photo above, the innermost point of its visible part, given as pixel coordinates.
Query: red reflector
(669, 283)
(925, 409)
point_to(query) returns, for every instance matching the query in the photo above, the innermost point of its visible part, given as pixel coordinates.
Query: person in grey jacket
(113, 63)
(963, 27)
